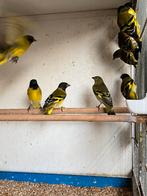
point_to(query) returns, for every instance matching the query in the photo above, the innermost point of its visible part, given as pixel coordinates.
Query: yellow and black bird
(126, 16)
(127, 22)
(126, 56)
(56, 98)
(102, 94)
(34, 95)
(19, 47)
(128, 87)
(128, 43)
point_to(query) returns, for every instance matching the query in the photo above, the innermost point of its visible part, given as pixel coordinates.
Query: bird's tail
(109, 111)
(48, 110)
(36, 105)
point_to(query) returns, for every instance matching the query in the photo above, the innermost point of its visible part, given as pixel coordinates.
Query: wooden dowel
(141, 119)
(65, 111)
(68, 117)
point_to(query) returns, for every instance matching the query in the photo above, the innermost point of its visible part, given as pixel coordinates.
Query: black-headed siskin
(19, 47)
(126, 56)
(56, 98)
(128, 43)
(102, 94)
(127, 21)
(128, 87)
(34, 94)
(126, 16)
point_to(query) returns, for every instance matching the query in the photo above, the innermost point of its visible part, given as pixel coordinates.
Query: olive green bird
(56, 98)
(34, 95)
(102, 94)
(128, 87)
(128, 43)
(126, 56)
(11, 53)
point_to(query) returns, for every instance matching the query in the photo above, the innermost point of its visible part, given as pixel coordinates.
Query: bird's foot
(62, 108)
(14, 59)
(29, 108)
(98, 106)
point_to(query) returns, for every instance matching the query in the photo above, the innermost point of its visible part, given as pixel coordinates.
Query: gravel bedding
(13, 188)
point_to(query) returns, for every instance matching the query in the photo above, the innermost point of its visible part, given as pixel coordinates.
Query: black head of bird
(30, 38)
(63, 85)
(97, 79)
(33, 84)
(123, 76)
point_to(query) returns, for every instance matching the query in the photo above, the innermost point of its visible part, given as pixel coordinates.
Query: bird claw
(14, 59)
(62, 109)
(98, 107)
(29, 108)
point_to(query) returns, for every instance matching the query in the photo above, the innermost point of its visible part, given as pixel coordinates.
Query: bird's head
(123, 76)
(116, 54)
(30, 38)
(97, 79)
(63, 85)
(33, 84)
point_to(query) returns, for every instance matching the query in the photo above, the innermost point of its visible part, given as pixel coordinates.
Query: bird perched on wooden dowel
(102, 94)
(34, 95)
(56, 98)
(128, 87)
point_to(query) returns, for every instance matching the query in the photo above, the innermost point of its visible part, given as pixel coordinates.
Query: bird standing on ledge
(56, 98)
(34, 95)
(102, 94)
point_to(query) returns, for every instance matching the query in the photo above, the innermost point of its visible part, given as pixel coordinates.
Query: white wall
(71, 48)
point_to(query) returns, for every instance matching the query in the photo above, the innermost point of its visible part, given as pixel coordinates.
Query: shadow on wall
(106, 44)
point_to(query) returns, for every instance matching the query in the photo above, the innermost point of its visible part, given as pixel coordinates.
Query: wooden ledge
(71, 114)
(65, 111)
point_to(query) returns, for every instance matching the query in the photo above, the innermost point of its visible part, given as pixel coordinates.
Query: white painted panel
(17, 7)
(71, 48)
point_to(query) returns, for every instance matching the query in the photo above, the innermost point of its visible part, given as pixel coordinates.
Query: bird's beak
(93, 78)
(35, 40)
(68, 84)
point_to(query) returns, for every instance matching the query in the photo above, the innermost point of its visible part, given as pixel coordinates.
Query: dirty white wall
(71, 48)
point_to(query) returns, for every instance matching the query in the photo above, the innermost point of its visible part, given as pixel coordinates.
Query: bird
(128, 87)
(126, 15)
(19, 47)
(128, 23)
(4, 48)
(126, 56)
(128, 43)
(34, 95)
(102, 94)
(56, 98)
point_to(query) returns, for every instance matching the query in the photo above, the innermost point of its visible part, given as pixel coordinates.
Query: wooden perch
(71, 114)
(65, 111)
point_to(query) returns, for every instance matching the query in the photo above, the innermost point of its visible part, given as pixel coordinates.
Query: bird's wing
(57, 96)
(103, 94)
